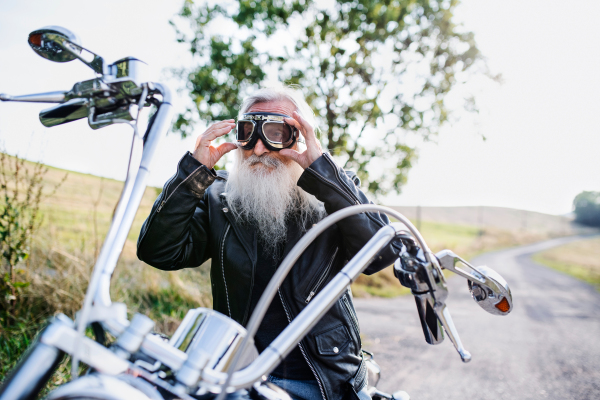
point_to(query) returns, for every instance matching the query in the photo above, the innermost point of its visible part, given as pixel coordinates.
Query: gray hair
(281, 93)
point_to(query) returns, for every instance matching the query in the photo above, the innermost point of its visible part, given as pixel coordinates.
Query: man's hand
(208, 154)
(313, 147)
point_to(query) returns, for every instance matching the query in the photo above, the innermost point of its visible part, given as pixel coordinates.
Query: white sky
(543, 139)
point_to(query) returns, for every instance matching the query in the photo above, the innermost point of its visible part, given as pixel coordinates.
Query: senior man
(247, 221)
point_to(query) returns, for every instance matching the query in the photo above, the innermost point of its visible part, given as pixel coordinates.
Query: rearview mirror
(488, 288)
(50, 42)
(59, 44)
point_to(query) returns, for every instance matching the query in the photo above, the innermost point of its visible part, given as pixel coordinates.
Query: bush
(587, 208)
(21, 191)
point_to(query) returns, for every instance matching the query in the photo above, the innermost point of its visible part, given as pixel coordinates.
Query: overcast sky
(543, 137)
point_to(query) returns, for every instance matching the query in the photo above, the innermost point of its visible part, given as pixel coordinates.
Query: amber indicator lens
(503, 305)
(36, 39)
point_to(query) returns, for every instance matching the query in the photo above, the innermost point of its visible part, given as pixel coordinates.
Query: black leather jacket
(190, 222)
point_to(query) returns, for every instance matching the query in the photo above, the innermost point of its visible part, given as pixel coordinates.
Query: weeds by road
(579, 259)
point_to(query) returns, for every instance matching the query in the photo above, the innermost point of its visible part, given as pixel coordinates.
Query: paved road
(547, 348)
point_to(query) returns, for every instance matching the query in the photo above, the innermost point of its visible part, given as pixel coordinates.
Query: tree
(376, 72)
(587, 208)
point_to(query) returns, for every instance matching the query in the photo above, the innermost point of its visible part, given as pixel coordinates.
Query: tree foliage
(375, 71)
(587, 208)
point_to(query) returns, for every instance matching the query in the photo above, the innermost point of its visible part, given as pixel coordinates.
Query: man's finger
(307, 130)
(216, 132)
(292, 154)
(225, 148)
(295, 124)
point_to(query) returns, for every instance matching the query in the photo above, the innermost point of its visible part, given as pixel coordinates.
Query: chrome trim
(48, 97)
(301, 347)
(212, 341)
(263, 117)
(488, 288)
(93, 354)
(131, 197)
(133, 190)
(162, 351)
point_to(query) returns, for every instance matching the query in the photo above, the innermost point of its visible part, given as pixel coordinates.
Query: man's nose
(260, 149)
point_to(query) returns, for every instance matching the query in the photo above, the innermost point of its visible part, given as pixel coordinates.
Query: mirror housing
(59, 44)
(494, 297)
(50, 42)
(488, 288)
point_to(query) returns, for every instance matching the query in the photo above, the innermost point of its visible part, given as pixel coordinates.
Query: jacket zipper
(356, 200)
(334, 186)
(352, 317)
(322, 278)
(245, 319)
(312, 368)
(160, 207)
(223, 269)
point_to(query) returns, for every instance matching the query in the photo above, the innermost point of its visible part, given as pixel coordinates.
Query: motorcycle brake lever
(429, 288)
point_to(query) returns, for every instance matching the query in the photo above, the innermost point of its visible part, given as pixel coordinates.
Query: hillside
(508, 219)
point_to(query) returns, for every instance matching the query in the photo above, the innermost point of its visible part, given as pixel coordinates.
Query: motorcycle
(210, 355)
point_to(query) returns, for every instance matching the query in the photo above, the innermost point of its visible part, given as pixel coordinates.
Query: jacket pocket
(332, 341)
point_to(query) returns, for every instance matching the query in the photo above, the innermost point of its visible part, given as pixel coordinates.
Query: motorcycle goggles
(269, 127)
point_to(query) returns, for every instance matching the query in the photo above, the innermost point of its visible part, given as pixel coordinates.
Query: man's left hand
(313, 147)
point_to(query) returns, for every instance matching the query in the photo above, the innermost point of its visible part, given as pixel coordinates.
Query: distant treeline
(587, 208)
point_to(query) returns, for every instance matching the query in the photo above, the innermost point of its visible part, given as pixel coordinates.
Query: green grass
(579, 259)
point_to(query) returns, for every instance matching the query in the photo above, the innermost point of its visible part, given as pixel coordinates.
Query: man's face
(279, 107)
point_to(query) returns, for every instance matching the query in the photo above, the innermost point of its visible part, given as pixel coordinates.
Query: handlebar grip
(70, 111)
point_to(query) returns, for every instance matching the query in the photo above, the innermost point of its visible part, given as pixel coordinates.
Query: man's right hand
(208, 154)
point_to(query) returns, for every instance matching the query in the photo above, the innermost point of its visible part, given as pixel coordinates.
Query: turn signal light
(503, 305)
(36, 39)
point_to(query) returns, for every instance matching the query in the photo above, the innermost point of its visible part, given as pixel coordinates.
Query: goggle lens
(277, 132)
(244, 130)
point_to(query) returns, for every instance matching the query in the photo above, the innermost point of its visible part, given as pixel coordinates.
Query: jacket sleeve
(175, 235)
(330, 184)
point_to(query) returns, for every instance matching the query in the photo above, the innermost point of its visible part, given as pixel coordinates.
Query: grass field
(579, 259)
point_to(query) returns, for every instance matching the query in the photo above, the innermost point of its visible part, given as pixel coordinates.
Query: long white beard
(263, 191)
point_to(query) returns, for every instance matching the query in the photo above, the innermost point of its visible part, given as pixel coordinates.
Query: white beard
(263, 191)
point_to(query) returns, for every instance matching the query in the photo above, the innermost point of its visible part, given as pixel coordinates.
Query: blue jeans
(307, 390)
